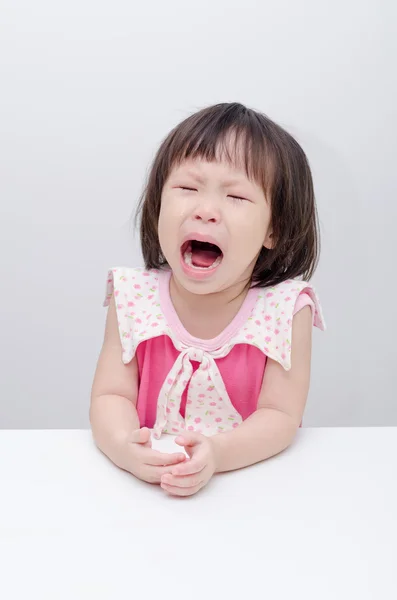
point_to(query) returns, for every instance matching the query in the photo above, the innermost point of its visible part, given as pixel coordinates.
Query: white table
(317, 522)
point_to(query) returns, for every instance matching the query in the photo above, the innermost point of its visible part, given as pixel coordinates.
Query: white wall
(88, 89)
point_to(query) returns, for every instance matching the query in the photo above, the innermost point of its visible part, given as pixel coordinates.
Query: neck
(206, 315)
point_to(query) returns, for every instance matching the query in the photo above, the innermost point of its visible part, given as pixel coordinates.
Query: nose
(207, 212)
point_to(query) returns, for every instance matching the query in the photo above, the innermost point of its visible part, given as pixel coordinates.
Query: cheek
(169, 222)
(171, 209)
(250, 231)
(163, 227)
(166, 213)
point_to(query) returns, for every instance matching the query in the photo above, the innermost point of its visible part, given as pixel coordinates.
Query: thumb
(140, 436)
(188, 439)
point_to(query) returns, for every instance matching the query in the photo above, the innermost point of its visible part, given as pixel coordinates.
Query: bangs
(270, 157)
(230, 133)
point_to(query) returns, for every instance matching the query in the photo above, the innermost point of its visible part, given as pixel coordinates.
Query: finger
(152, 474)
(189, 467)
(155, 458)
(177, 491)
(140, 436)
(188, 439)
(191, 442)
(183, 482)
(145, 436)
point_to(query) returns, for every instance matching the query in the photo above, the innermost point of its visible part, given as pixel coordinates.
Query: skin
(216, 199)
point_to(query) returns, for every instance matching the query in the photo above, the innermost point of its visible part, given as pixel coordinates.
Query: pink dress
(202, 385)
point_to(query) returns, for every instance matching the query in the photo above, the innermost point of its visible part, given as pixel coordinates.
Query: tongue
(203, 258)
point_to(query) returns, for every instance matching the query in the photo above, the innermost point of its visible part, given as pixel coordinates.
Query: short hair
(272, 158)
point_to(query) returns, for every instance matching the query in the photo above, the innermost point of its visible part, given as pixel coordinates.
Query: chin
(198, 286)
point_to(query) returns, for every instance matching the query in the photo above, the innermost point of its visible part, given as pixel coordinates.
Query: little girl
(211, 342)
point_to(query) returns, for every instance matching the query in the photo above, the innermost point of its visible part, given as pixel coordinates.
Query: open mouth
(201, 255)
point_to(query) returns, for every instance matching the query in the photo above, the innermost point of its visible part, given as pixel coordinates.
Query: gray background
(88, 89)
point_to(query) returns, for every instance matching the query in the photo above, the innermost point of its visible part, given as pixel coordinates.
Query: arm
(281, 404)
(265, 433)
(113, 415)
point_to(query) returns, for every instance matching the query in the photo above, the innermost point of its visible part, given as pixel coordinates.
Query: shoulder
(136, 296)
(130, 282)
(269, 326)
(282, 301)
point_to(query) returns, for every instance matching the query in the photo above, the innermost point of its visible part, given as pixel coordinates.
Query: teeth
(187, 257)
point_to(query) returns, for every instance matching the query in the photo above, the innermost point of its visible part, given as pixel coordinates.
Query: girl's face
(213, 223)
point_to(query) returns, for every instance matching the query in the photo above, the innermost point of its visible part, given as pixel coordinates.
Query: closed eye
(239, 198)
(182, 187)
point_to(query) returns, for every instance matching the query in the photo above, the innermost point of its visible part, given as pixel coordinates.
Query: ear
(269, 241)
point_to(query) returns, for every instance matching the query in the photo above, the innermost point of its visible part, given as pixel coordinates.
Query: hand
(188, 478)
(141, 460)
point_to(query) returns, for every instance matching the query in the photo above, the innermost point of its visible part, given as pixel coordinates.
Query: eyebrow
(225, 183)
(231, 182)
(195, 176)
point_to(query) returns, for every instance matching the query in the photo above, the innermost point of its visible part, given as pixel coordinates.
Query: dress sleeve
(304, 300)
(119, 284)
